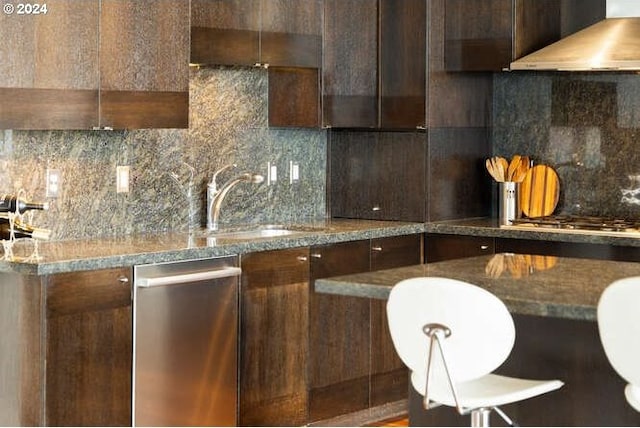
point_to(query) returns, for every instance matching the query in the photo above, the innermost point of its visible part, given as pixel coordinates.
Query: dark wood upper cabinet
(284, 33)
(225, 32)
(377, 175)
(350, 64)
(486, 35)
(403, 50)
(294, 97)
(49, 72)
(144, 64)
(111, 64)
(374, 66)
(291, 33)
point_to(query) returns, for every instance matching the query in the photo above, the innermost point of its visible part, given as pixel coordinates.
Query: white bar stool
(619, 327)
(474, 333)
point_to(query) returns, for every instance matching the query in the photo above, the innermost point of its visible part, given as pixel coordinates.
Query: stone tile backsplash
(585, 125)
(228, 124)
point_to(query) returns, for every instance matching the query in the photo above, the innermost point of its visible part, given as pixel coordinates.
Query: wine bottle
(11, 203)
(22, 230)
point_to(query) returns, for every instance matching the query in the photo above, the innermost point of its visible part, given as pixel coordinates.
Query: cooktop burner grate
(582, 223)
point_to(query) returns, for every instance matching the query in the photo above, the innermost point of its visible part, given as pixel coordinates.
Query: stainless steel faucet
(215, 196)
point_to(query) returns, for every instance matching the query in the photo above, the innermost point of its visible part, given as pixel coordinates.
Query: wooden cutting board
(539, 191)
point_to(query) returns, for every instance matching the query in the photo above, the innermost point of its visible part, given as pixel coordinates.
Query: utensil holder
(508, 202)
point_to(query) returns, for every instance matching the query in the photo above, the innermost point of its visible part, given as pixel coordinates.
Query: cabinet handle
(316, 255)
(484, 247)
(123, 280)
(302, 258)
(376, 248)
(376, 208)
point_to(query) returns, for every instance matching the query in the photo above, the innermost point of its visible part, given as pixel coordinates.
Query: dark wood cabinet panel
(89, 348)
(374, 71)
(144, 81)
(389, 376)
(447, 247)
(378, 176)
(486, 35)
(49, 69)
(294, 97)
(114, 64)
(225, 32)
(273, 338)
(291, 33)
(339, 336)
(283, 33)
(403, 50)
(350, 64)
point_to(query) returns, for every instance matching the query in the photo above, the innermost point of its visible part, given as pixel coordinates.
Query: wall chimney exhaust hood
(609, 45)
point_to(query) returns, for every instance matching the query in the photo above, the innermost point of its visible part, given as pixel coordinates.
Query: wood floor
(396, 422)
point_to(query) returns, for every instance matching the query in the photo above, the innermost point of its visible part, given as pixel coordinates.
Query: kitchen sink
(259, 232)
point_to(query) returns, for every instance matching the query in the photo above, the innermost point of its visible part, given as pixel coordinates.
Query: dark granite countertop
(535, 285)
(91, 254)
(101, 253)
(489, 227)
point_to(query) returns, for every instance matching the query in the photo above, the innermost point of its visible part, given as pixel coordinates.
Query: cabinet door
(350, 64)
(89, 348)
(291, 33)
(339, 336)
(403, 50)
(273, 338)
(225, 32)
(294, 97)
(144, 64)
(49, 67)
(389, 375)
(486, 35)
(378, 176)
(448, 247)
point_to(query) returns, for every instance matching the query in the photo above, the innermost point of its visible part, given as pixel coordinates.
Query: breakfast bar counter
(553, 301)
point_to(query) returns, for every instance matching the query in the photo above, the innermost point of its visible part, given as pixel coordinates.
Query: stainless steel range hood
(612, 44)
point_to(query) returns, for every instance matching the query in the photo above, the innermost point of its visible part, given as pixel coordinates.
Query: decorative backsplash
(585, 125)
(228, 124)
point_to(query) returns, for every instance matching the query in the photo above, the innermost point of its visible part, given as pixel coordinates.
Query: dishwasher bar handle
(188, 277)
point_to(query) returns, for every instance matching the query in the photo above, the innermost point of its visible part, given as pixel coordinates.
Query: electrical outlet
(54, 183)
(294, 172)
(122, 179)
(272, 173)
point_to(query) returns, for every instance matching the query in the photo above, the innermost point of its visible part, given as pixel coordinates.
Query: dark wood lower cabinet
(273, 338)
(353, 364)
(88, 340)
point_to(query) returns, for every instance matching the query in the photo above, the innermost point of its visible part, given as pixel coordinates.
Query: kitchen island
(554, 301)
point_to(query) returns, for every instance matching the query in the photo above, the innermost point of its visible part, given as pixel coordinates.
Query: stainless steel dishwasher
(185, 350)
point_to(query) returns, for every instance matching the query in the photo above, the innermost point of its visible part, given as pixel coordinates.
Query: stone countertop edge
(567, 288)
(116, 252)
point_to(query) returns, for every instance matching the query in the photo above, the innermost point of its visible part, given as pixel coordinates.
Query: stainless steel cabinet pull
(302, 258)
(376, 208)
(484, 247)
(188, 277)
(123, 279)
(376, 248)
(316, 255)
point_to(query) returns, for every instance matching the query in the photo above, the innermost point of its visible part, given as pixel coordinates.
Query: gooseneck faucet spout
(213, 209)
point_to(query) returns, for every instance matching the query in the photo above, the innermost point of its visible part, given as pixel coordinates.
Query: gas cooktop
(592, 225)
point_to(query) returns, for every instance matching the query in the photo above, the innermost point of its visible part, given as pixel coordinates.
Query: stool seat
(488, 391)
